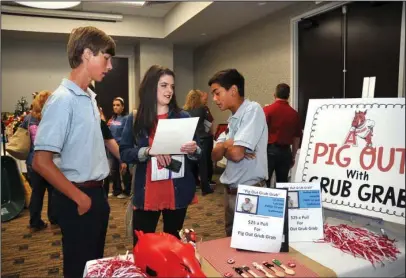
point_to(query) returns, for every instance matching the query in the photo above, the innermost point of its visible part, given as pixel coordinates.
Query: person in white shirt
(247, 206)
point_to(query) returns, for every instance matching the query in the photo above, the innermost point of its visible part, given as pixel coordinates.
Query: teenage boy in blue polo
(70, 154)
(243, 143)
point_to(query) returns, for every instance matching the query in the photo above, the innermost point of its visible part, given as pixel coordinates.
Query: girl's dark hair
(147, 113)
(122, 103)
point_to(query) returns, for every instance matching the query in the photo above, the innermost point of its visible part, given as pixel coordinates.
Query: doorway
(114, 84)
(337, 47)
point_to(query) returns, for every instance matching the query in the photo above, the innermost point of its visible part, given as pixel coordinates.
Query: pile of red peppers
(361, 243)
(114, 267)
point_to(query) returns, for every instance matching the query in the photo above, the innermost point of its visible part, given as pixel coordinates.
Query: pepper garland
(361, 243)
(115, 267)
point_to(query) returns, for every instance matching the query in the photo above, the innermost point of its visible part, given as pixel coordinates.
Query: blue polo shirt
(70, 127)
(248, 128)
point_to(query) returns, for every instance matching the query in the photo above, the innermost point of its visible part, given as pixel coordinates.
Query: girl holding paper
(171, 197)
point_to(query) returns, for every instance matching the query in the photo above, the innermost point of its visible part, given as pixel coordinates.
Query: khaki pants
(229, 207)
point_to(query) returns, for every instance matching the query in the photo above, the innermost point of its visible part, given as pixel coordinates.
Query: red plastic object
(220, 129)
(163, 255)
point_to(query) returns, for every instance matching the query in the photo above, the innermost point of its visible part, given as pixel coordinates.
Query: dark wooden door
(373, 47)
(320, 59)
(114, 84)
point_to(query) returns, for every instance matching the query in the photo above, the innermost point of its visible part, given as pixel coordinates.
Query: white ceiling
(152, 9)
(221, 18)
(218, 19)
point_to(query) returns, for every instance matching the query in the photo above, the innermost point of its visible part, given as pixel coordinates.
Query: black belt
(233, 190)
(89, 184)
(279, 145)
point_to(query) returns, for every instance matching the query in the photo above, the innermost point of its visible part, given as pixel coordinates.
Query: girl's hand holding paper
(189, 147)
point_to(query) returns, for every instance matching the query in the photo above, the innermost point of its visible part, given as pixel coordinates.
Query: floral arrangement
(13, 121)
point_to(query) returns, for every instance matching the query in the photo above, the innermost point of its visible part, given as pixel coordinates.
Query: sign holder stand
(285, 243)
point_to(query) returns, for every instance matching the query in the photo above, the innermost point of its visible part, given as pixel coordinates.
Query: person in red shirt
(284, 131)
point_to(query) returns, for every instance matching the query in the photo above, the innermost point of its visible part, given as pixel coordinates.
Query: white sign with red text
(355, 149)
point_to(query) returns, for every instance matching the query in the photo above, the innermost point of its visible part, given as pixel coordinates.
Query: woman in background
(171, 197)
(195, 107)
(38, 183)
(116, 125)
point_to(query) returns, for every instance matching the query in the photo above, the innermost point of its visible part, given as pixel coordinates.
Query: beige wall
(183, 12)
(183, 67)
(153, 52)
(131, 26)
(29, 66)
(137, 69)
(261, 51)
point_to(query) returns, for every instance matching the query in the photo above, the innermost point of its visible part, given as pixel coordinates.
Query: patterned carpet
(39, 254)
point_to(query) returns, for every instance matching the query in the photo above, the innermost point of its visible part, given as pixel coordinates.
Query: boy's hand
(249, 155)
(84, 204)
(123, 168)
(228, 143)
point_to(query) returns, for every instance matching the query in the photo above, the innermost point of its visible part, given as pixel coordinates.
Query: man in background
(247, 206)
(284, 131)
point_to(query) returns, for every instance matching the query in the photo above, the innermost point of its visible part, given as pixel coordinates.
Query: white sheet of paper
(365, 87)
(171, 134)
(368, 87)
(371, 89)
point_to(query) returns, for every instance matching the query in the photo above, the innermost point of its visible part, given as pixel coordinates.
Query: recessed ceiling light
(136, 3)
(49, 5)
(261, 3)
(203, 34)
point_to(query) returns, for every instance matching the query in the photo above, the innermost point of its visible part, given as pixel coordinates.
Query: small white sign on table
(259, 219)
(305, 211)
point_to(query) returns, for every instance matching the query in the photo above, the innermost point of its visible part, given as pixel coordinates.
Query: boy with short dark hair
(70, 154)
(244, 141)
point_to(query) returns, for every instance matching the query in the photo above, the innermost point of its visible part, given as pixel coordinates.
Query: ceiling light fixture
(136, 3)
(53, 5)
(61, 14)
